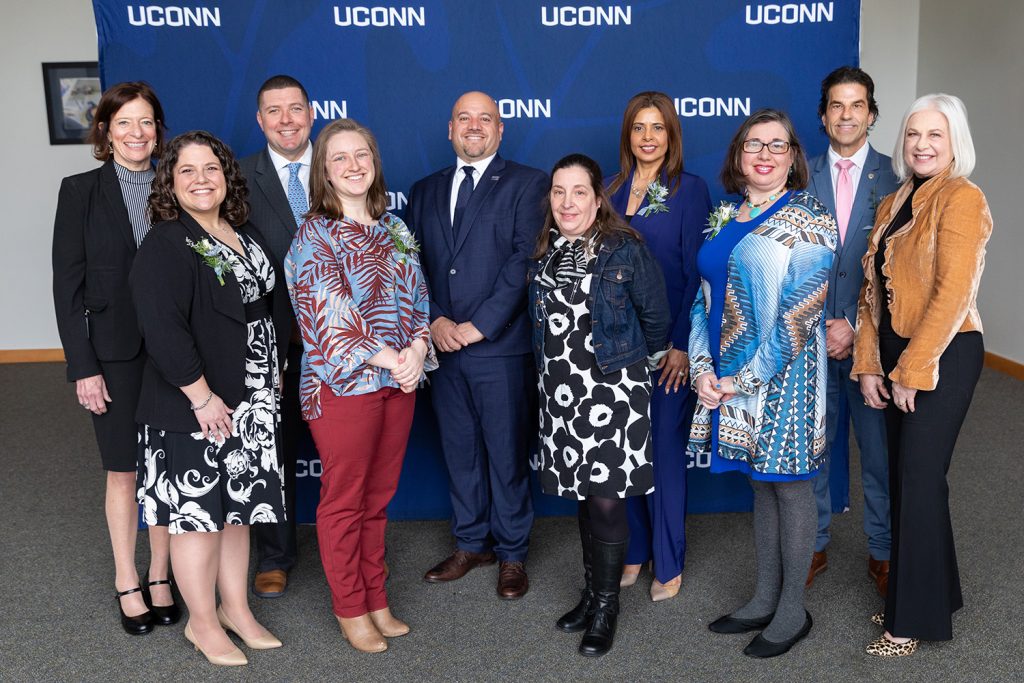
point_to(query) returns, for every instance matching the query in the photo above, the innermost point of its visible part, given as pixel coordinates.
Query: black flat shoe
(140, 624)
(762, 648)
(163, 615)
(731, 624)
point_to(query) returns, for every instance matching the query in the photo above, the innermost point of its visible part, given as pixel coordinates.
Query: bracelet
(203, 404)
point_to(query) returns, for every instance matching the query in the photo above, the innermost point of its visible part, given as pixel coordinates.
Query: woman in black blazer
(102, 217)
(211, 305)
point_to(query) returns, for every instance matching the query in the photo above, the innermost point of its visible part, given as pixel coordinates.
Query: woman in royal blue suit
(669, 208)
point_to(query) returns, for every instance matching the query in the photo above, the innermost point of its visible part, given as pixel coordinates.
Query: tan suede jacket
(933, 269)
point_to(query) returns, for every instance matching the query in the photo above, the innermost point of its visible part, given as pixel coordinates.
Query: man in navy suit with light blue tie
(850, 179)
(477, 224)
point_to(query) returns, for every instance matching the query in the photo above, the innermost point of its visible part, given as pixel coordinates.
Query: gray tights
(785, 525)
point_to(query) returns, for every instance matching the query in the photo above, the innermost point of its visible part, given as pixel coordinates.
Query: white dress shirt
(479, 167)
(281, 166)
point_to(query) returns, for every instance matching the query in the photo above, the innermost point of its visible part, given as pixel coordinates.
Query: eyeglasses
(753, 146)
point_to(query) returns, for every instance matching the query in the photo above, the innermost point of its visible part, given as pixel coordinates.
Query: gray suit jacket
(268, 203)
(269, 210)
(847, 276)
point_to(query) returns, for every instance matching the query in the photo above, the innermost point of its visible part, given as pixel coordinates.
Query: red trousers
(361, 441)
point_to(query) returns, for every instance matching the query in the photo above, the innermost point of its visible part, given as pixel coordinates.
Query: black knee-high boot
(578, 618)
(607, 572)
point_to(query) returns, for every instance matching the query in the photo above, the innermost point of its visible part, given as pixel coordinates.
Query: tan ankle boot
(387, 624)
(362, 634)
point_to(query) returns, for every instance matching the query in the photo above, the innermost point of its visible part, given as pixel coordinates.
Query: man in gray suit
(850, 179)
(278, 179)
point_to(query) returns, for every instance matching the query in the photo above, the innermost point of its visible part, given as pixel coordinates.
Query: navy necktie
(462, 198)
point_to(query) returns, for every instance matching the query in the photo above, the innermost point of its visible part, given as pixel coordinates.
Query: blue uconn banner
(561, 72)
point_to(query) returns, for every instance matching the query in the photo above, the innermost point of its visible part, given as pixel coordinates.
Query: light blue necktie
(296, 193)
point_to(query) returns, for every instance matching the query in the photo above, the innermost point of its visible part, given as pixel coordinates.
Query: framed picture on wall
(72, 92)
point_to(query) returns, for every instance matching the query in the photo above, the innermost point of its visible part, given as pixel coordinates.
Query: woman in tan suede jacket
(919, 344)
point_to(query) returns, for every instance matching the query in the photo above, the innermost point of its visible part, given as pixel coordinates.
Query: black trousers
(275, 543)
(924, 581)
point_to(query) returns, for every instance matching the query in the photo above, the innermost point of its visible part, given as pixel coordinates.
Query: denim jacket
(628, 304)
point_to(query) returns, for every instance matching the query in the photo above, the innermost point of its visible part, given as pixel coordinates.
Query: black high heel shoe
(140, 624)
(163, 615)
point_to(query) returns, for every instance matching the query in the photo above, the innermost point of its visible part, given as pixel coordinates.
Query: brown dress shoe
(457, 565)
(878, 570)
(270, 584)
(512, 581)
(819, 563)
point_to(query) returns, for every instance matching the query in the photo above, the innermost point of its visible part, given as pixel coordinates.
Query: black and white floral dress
(189, 483)
(595, 428)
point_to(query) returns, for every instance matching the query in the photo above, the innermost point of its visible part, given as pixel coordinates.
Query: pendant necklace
(755, 209)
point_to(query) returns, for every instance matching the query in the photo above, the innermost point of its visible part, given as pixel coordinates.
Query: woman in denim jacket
(599, 308)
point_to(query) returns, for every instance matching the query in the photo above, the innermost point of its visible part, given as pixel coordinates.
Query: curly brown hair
(163, 205)
(607, 222)
(111, 102)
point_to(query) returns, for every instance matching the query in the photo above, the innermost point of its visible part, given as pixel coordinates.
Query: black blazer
(93, 250)
(193, 325)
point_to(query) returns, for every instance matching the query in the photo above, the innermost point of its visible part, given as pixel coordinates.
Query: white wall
(968, 48)
(973, 50)
(32, 33)
(888, 51)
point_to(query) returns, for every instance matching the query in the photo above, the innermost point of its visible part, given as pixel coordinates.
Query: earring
(790, 170)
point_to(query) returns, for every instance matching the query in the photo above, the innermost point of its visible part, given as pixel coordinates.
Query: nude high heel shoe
(268, 642)
(630, 573)
(663, 591)
(362, 634)
(233, 658)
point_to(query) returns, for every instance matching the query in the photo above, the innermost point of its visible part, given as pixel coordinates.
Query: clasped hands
(406, 366)
(872, 388)
(450, 336)
(713, 391)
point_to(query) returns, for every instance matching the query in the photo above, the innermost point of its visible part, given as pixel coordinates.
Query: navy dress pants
(487, 417)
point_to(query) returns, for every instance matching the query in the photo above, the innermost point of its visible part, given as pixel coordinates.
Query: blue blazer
(479, 275)
(674, 238)
(847, 274)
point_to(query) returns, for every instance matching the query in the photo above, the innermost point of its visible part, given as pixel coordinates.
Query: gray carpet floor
(58, 621)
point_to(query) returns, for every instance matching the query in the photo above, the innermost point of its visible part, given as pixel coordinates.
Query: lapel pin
(495, 177)
(871, 176)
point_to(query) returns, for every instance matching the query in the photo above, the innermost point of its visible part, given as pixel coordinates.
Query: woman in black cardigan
(211, 306)
(102, 217)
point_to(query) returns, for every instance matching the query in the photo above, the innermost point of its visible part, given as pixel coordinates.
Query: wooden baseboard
(1004, 365)
(31, 355)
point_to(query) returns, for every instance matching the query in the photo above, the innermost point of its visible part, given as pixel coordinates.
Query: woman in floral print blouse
(361, 302)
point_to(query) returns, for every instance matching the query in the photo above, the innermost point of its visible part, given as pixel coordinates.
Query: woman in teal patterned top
(757, 349)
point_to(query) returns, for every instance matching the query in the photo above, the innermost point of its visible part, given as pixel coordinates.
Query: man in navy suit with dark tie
(477, 222)
(850, 179)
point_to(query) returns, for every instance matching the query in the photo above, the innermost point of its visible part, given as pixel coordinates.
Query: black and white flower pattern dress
(595, 428)
(189, 483)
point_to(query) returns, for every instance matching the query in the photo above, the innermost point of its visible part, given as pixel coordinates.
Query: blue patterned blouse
(769, 332)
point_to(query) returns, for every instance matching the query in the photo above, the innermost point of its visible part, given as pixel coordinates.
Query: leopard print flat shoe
(883, 647)
(878, 618)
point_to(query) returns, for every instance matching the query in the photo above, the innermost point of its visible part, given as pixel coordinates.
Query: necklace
(639, 189)
(755, 209)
